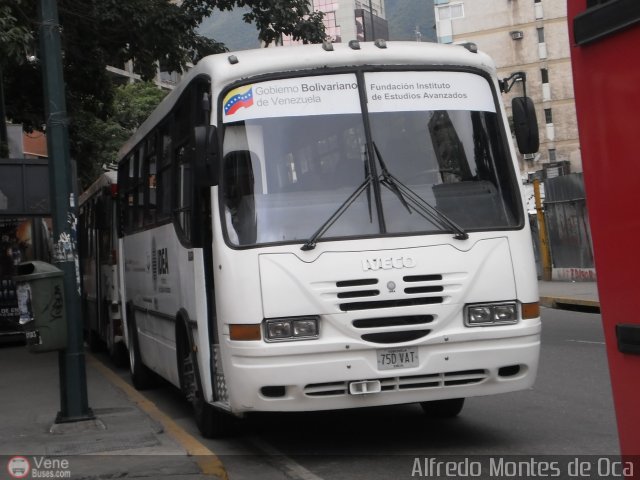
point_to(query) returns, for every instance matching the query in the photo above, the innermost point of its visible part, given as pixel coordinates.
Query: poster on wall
(21, 239)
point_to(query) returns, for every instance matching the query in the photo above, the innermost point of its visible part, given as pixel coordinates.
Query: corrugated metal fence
(568, 228)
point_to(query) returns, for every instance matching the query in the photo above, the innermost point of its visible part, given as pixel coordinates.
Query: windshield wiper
(311, 243)
(388, 180)
(420, 205)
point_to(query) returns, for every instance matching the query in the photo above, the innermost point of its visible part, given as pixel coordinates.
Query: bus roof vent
(354, 44)
(380, 43)
(327, 45)
(233, 59)
(472, 47)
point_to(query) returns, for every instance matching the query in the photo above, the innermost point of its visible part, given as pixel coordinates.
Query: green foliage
(273, 18)
(132, 104)
(15, 35)
(97, 33)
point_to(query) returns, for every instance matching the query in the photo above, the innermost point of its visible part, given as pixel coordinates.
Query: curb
(570, 303)
(208, 461)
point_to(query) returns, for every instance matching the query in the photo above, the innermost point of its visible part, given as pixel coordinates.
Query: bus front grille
(395, 337)
(400, 321)
(364, 293)
(409, 382)
(401, 302)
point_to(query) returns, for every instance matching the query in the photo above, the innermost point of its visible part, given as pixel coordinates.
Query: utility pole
(4, 137)
(545, 254)
(71, 362)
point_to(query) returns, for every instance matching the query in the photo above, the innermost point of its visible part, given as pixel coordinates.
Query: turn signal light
(530, 310)
(245, 332)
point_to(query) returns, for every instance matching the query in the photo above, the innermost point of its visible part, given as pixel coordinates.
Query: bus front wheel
(212, 422)
(448, 408)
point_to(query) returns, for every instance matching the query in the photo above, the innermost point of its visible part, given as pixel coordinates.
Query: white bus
(326, 227)
(98, 244)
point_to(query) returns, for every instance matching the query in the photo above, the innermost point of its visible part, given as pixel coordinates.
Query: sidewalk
(137, 445)
(129, 437)
(569, 294)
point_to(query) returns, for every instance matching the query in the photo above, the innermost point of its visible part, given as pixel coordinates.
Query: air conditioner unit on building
(516, 35)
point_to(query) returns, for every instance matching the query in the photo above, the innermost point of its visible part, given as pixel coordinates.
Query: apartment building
(529, 36)
(345, 20)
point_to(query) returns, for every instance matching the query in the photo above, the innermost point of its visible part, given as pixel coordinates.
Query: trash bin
(40, 293)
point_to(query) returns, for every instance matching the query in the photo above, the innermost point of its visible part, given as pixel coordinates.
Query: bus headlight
(488, 314)
(291, 328)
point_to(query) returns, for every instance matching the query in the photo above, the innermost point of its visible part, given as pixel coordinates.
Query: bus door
(604, 36)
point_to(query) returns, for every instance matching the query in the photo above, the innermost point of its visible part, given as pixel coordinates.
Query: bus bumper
(350, 377)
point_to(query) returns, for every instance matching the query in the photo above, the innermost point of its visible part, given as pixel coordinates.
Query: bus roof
(107, 178)
(226, 68)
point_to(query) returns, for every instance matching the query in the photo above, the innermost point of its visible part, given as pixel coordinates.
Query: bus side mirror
(206, 153)
(525, 124)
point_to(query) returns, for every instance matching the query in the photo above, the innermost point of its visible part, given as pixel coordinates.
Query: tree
(273, 18)
(97, 33)
(14, 37)
(132, 104)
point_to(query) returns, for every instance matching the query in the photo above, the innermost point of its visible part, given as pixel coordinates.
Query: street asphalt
(128, 436)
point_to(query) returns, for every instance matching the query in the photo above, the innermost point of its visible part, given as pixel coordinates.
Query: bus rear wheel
(448, 408)
(141, 377)
(117, 350)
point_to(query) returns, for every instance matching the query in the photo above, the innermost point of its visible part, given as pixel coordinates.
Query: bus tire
(119, 355)
(448, 408)
(95, 342)
(211, 421)
(117, 350)
(141, 377)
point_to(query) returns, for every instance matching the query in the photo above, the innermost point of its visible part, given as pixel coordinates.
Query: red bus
(605, 36)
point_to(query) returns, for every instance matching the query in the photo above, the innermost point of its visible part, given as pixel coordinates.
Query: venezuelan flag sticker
(241, 97)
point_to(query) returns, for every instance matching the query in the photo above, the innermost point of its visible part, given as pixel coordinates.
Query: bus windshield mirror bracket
(506, 84)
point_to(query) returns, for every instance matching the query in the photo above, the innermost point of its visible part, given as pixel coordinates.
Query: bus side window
(163, 178)
(239, 201)
(184, 190)
(131, 193)
(151, 189)
(123, 172)
(183, 197)
(140, 189)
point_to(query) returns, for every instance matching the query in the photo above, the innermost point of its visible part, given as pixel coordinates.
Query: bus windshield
(296, 149)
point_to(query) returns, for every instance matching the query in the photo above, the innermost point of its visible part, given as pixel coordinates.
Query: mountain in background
(404, 16)
(230, 29)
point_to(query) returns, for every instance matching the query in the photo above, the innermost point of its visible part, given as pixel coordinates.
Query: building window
(536, 1)
(552, 154)
(544, 74)
(548, 117)
(449, 12)
(540, 35)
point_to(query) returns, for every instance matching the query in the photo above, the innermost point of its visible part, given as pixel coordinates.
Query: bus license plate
(392, 358)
